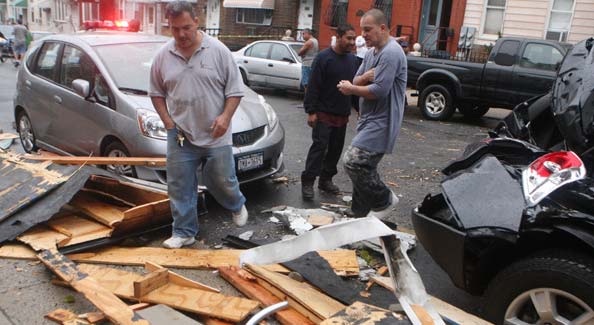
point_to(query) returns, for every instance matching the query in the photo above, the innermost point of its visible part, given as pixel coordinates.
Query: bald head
(377, 15)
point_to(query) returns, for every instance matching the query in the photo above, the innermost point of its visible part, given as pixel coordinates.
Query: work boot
(307, 190)
(325, 184)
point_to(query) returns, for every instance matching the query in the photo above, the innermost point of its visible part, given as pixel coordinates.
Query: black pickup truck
(516, 69)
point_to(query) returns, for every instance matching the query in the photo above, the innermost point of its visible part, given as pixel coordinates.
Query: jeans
(218, 175)
(324, 153)
(369, 192)
(305, 72)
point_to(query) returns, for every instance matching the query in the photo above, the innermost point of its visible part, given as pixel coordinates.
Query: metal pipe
(267, 312)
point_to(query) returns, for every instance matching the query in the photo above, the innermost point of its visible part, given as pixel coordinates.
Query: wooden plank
(41, 237)
(179, 279)
(180, 297)
(60, 315)
(442, 307)
(363, 314)
(110, 196)
(84, 160)
(148, 209)
(116, 310)
(89, 204)
(132, 192)
(17, 251)
(150, 282)
(79, 229)
(319, 303)
(251, 289)
(340, 260)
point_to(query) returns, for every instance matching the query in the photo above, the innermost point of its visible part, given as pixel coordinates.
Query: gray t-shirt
(196, 89)
(20, 35)
(380, 119)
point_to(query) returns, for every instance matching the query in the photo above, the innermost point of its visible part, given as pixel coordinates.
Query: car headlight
(270, 113)
(151, 125)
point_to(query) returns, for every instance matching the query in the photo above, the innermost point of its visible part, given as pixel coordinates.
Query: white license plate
(252, 161)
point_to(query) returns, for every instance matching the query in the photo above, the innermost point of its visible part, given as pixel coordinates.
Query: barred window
(386, 7)
(254, 16)
(336, 14)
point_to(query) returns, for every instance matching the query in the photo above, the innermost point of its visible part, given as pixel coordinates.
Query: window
(280, 52)
(151, 15)
(336, 14)
(386, 7)
(494, 12)
(559, 20)
(254, 16)
(75, 65)
(259, 50)
(507, 53)
(47, 61)
(541, 56)
(90, 11)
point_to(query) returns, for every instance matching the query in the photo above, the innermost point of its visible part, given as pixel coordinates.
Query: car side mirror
(288, 60)
(82, 88)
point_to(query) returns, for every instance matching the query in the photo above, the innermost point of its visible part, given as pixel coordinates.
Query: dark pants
(369, 192)
(324, 152)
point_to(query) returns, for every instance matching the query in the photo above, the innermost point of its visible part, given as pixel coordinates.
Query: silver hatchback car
(86, 94)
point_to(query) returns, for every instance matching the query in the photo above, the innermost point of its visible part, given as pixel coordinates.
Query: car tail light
(550, 172)
(121, 24)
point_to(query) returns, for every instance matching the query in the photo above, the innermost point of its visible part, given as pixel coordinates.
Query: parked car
(86, 94)
(515, 222)
(517, 69)
(270, 64)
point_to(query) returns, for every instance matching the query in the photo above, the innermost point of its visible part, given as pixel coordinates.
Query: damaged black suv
(515, 217)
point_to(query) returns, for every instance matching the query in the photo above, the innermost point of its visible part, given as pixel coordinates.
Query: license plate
(249, 162)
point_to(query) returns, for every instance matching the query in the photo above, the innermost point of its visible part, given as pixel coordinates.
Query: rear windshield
(129, 65)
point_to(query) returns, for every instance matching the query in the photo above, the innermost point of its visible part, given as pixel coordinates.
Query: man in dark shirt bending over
(328, 111)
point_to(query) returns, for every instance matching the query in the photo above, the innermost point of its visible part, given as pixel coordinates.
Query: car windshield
(129, 65)
(296, 48)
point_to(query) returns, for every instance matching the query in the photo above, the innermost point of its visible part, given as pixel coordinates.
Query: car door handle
(58, 99)
(270, 65)
(28, 83)
(245, 61)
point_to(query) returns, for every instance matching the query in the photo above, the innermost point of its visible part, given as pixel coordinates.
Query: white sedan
(270, 64)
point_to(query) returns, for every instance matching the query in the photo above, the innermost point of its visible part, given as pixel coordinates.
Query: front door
(430, 22)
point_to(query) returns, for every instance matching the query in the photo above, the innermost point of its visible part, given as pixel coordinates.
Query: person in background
(381, 84)
(20, 42)
(307, 52)
(361, 48)
(195, 87)
(288, 36)
(328, 112)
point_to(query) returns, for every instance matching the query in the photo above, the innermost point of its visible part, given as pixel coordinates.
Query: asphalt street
(412, 171)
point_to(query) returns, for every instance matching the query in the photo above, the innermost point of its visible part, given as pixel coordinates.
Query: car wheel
(117, 150)
(549, 288)
(436, 103)
(244, 77)
(26, 134)
(471, 111)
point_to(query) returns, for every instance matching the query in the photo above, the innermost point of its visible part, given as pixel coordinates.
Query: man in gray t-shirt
(195, 87)
(381, 85)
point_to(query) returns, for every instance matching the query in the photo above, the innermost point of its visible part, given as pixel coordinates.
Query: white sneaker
(383, 214)
(178, 242)
(240, 217)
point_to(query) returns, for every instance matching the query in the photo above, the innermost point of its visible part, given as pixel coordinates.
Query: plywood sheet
(17, 251)
(185, 298)
(251, 289)
(90, 204)
(342, 261)
(320, 304)
(116, 310)
(73, 160)
(42, 237)
(78, 229)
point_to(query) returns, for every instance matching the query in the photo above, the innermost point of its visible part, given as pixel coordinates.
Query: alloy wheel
(547, 306)
(125, 170)
(435, 102)
(26, 133)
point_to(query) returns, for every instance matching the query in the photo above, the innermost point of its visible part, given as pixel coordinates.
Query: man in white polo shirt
(196, 87)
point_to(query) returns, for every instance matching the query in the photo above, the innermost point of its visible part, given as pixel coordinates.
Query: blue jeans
(305, 72)
(218, 175)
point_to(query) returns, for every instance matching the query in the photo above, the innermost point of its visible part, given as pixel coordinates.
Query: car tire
(437, 103)
(564, 276)
(26, 133)
(244, 77)
(473, 112)
(117, 149)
